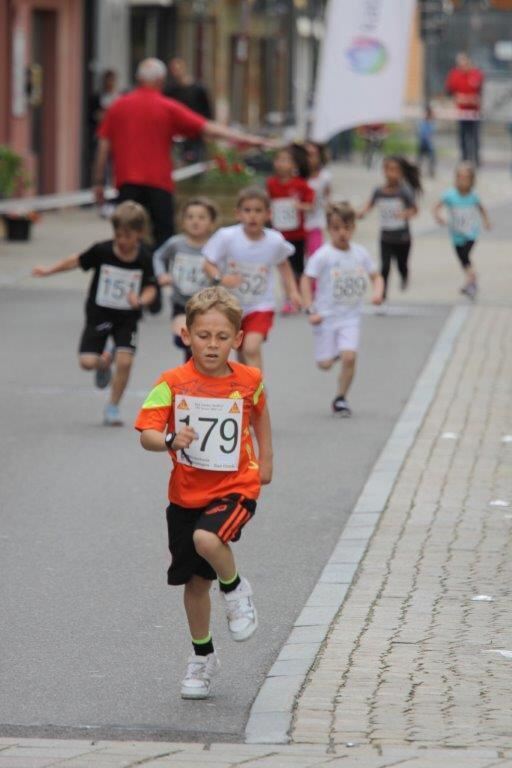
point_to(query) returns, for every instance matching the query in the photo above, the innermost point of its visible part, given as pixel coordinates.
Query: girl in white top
(242, 258)
(320, 181)
(340, 269)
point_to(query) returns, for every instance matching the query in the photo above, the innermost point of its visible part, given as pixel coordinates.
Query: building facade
(41, 73)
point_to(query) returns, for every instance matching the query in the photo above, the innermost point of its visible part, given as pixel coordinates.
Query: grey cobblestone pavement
(411, 673)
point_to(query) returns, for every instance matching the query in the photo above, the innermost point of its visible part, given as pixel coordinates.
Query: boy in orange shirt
(201, 412)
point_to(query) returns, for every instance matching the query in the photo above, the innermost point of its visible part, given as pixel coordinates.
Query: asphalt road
(91, 638)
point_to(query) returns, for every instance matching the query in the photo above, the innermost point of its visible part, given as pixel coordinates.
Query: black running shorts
(225, 517)
(97, 331)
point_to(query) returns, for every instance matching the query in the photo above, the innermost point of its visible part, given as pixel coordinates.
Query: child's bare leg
(470, 275)
(216, 553)
(123, 363)
(94, 362)
(326, 365)
(196, 599)
(251, 353)
(348, 367)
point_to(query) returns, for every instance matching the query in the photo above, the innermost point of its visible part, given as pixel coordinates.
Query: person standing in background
(426, 148)
(193, 95)
(465, 83)
(137, 131)
(99, 102)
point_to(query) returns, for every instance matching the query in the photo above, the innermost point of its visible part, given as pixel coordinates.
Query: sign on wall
(19, 97)
(363, 64)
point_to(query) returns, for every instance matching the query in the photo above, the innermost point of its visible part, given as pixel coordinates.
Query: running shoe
(198, 678)
(103, 376)
(469, 290)
(240, 611)
(112, 416)
(340, 407)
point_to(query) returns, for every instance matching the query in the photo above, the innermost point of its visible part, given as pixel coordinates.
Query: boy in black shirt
(123, 283)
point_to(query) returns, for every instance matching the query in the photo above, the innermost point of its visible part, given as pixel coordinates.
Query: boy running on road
(340, 270)
(179, 261)
(242, 258)
(123, 283)
(202, 412)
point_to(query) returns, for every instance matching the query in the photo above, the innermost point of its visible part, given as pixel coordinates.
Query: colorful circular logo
(367, 56)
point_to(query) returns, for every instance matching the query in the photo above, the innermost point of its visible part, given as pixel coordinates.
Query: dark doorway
(43, 98)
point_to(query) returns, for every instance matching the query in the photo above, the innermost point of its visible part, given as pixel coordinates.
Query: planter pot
(223, 194)
(17, 228)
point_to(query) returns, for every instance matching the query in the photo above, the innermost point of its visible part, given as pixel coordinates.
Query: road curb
(272, 711)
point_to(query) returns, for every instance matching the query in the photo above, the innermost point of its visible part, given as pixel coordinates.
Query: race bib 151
(114, 286)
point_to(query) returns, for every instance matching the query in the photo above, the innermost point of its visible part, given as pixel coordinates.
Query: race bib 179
(218, 424)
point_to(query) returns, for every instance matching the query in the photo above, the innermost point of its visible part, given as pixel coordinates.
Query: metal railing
(81, 197)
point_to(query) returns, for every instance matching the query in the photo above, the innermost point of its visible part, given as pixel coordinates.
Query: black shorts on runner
(225, 517)
(177, 309)
(463, 252)
(97, 331)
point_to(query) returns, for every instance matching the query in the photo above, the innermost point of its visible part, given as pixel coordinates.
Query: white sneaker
(240, 611)
(197, 681)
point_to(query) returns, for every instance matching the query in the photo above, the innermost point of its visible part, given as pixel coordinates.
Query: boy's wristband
(169, 440)
(310, 310)
(217, 280)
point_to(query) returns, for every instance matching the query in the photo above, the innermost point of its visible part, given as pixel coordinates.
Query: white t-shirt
(233, 252)
(341, 280)
(321, 184)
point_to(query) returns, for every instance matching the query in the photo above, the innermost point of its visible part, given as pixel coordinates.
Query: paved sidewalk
(411, 673)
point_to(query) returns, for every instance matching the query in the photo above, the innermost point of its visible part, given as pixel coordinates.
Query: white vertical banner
(363, 64)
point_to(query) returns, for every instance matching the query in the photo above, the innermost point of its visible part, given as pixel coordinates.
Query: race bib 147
(187, 274)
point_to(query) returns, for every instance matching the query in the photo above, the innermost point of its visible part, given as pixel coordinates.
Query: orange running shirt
(191, 486)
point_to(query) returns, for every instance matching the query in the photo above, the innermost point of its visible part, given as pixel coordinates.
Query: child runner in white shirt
(465, 212)
(340, 270)
(242, 258)
(179, 261)
(320, 181)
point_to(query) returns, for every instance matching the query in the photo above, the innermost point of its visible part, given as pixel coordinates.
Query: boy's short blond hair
(252, 193)
(343, 211)
(131, 215)
(217, 298)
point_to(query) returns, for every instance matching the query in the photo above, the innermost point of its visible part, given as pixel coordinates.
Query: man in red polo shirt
(465, 83)
(138, 131)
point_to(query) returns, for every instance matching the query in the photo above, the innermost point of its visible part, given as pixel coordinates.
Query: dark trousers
(469, 140)
(158, 203)
(160, 207)
(399, 252)
(426, 149)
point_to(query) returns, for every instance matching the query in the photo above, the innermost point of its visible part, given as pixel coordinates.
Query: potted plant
(229, 173)
(13, 180)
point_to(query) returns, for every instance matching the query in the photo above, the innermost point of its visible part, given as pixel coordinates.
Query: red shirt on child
(285, 216)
